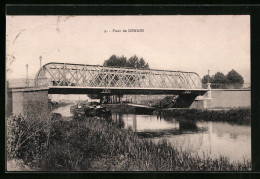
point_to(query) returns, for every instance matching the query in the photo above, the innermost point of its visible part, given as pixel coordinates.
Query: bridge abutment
(203, 102)
(9, 96)
(30, 101)
(223, 98)
(185, 100)
(200, 103)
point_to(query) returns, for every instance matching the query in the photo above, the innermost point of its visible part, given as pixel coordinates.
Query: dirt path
(18, 165)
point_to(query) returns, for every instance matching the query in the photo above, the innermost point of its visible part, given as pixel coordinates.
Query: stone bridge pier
(28, 101)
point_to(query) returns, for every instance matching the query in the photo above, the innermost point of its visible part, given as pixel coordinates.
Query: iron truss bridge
(66, 78)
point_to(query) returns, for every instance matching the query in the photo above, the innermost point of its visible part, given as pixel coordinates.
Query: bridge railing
(227, 86)
(21, 83)
(26, 83)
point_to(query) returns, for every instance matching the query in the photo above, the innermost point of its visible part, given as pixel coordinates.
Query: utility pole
(209, 87)
(208, 76)
(40, 61)
(27, 79)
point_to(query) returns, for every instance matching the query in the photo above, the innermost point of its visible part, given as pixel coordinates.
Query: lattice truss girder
(58, 74)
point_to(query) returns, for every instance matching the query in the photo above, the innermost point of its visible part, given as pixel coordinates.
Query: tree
(235, 79)
(207, 78)
(232, 80)
(143, 64)
(133, 61)
(219, 78)
(116, 61)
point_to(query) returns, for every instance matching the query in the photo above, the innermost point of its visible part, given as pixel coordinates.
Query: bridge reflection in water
(198, 137)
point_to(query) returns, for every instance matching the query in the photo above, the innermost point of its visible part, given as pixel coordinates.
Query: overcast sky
(187, 43)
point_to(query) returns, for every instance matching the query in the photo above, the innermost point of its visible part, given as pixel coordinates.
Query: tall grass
(90, 144)
(28, 138)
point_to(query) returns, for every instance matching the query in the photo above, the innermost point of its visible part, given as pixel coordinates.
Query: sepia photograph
(128, 93)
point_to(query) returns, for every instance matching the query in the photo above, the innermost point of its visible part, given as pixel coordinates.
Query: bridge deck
(119, 90)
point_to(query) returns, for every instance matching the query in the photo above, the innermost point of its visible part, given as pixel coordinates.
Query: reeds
(89, 144)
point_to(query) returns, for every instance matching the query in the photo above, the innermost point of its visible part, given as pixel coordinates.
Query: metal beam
(81, 75)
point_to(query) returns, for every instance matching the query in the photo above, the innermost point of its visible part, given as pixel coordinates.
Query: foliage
(96, 144)
(232, 80)
(88, 144)
(216, 78)
(235, 115)
(219, 78)
(234, 77)
(122, 61)
(207, 78)
(27, 138)
(116, 61)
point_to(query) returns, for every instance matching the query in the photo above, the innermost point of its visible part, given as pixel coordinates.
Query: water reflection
(154, 126)
(198, 137)
(117, 119)
(64, 111)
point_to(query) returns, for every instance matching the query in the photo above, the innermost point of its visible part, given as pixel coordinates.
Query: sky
(217, 43)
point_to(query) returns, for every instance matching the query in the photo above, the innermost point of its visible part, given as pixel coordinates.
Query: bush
(236, 115)
(27, 139)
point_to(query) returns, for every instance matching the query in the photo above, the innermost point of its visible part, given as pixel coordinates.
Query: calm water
(64, 111)
(203, 138)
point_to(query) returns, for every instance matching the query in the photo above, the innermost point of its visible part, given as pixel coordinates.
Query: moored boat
(89, 109)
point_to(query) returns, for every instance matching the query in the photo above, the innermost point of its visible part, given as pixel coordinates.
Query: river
(211, 139)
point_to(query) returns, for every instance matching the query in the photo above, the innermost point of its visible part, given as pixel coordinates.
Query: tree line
(134, 62)
(232, 78)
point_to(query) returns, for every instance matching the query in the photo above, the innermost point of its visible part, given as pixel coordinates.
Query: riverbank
(234, 115)
(231, 115)
(95, 144)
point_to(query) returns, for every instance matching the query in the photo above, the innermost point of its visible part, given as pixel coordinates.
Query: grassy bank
(91, 144)
(235, 115)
